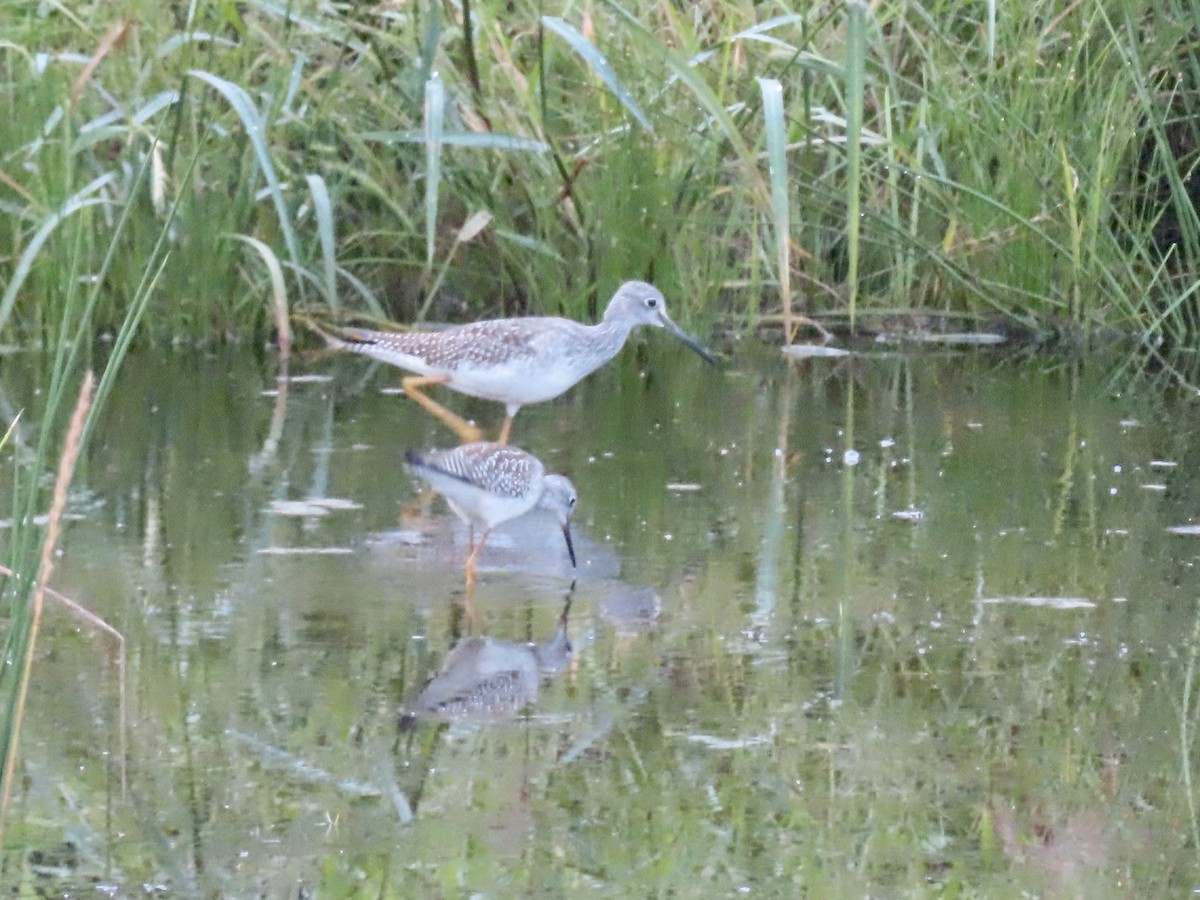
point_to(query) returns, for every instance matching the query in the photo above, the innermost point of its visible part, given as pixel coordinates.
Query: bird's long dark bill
(690, 341)
(570, 546)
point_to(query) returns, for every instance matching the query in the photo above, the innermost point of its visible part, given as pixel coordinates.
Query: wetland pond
(889, 625)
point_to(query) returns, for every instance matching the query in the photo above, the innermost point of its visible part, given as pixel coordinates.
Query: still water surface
(896, 625)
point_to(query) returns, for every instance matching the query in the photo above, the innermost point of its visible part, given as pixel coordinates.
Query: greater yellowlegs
(487, 483)
(514, 361)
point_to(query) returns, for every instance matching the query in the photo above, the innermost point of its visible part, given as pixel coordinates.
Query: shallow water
(887, 625)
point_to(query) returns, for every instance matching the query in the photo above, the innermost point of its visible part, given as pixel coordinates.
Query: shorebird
(513, 361)
(488, 483)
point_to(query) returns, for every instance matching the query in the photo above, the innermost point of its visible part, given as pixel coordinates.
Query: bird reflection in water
(485, 679)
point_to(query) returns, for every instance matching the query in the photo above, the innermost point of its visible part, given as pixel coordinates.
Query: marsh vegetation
(894, 624)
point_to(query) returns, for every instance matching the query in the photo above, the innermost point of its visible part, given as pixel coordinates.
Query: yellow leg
(466, 432)
(473, 556)
(469, 609)
(503, 439)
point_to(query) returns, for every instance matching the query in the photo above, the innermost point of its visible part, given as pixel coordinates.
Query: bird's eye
(651, 302)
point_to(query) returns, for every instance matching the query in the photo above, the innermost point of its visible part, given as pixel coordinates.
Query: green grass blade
(12, 426)
(365, 292)
(856, 63)
(776, 129)
(529, 243)
(173, 43)
(153, 106)
(435, 112)
(323, 210)
(487, 140)
(34, 247)
(759, 32)
(598, 64)
(293, 87)
(429, 46)
(991, 33)
(278, 288)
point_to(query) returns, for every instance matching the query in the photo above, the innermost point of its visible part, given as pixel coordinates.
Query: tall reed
(981, 162)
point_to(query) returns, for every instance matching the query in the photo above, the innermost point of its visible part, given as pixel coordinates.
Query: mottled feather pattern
(496, 468)
(497, 691)
(486, 343)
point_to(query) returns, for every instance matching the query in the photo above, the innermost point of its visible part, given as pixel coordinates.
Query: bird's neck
(613, 334)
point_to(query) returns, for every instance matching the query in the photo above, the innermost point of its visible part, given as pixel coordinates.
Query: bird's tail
(332, 341)
(447, 465)
(359, 337)
(346, 338)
